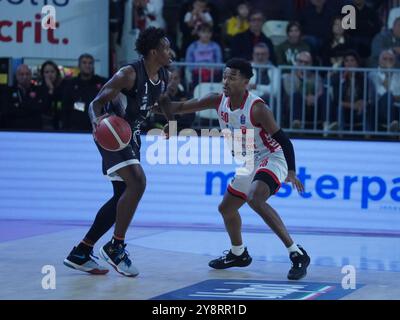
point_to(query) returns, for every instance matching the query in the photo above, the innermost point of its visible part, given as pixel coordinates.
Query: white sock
(294, 248)
(237, 250)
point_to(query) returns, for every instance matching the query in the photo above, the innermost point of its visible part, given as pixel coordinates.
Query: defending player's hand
(296, 183)
(156, 108)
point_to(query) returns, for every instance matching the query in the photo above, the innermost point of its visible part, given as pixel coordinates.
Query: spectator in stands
(272, 9)
(148, 13)
(393, 14)
(78, 94)
(51, 93)
(314, 19)
(155, 8)
(176, 92)
(204, 51)
(239, 22)
(367, 26)
(303, 88)
(226, 7)
(140, 14)
(117, 18)
(265, 81)
(242, 44)
(287, 51)
(275, 10)
(387, 39)
(336, 45)
(348, 94)
(386, 93)
(22, 104)
(198, 14)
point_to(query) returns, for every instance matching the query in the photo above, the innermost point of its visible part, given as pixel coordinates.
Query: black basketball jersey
(143, 95)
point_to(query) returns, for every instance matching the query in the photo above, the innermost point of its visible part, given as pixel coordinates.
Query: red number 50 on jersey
(225, 116)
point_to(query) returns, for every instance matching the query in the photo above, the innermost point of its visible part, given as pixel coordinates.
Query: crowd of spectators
(214, 31)
(50, 102)
(315, 37)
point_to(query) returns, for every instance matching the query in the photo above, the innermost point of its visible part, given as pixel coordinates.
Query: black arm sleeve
(287, 148)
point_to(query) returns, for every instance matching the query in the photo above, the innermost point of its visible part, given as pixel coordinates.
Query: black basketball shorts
(115, 160)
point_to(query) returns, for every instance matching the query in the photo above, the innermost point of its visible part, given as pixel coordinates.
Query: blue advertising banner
(349, 185)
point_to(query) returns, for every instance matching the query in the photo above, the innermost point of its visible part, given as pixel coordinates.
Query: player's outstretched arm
(210, 101)
(265, 118)
(123, 79)
(163, 107)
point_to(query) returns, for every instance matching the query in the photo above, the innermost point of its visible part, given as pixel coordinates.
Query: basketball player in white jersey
(274, 163)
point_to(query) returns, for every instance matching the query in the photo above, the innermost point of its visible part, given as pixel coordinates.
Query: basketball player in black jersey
(143, 83)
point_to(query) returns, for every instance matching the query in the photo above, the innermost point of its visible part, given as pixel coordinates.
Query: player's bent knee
(227, 212)
(223, 209)
(137, 186)
(255, 201)
(136, 183)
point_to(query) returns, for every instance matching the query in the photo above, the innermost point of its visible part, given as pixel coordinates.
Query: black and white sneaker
(117, 257)
(230, 260)
(84, 262)
(300, 263)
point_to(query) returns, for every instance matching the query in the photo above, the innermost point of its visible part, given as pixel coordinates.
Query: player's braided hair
(149, 39)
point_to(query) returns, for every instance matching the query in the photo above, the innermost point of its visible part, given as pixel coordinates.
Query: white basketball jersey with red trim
(240, 120)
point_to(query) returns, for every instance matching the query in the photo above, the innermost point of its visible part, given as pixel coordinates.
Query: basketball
(113, 133)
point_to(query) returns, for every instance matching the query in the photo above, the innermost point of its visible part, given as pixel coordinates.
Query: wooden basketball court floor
(173, 258)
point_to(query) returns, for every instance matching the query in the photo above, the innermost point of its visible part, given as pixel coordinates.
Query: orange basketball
(113, 133)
